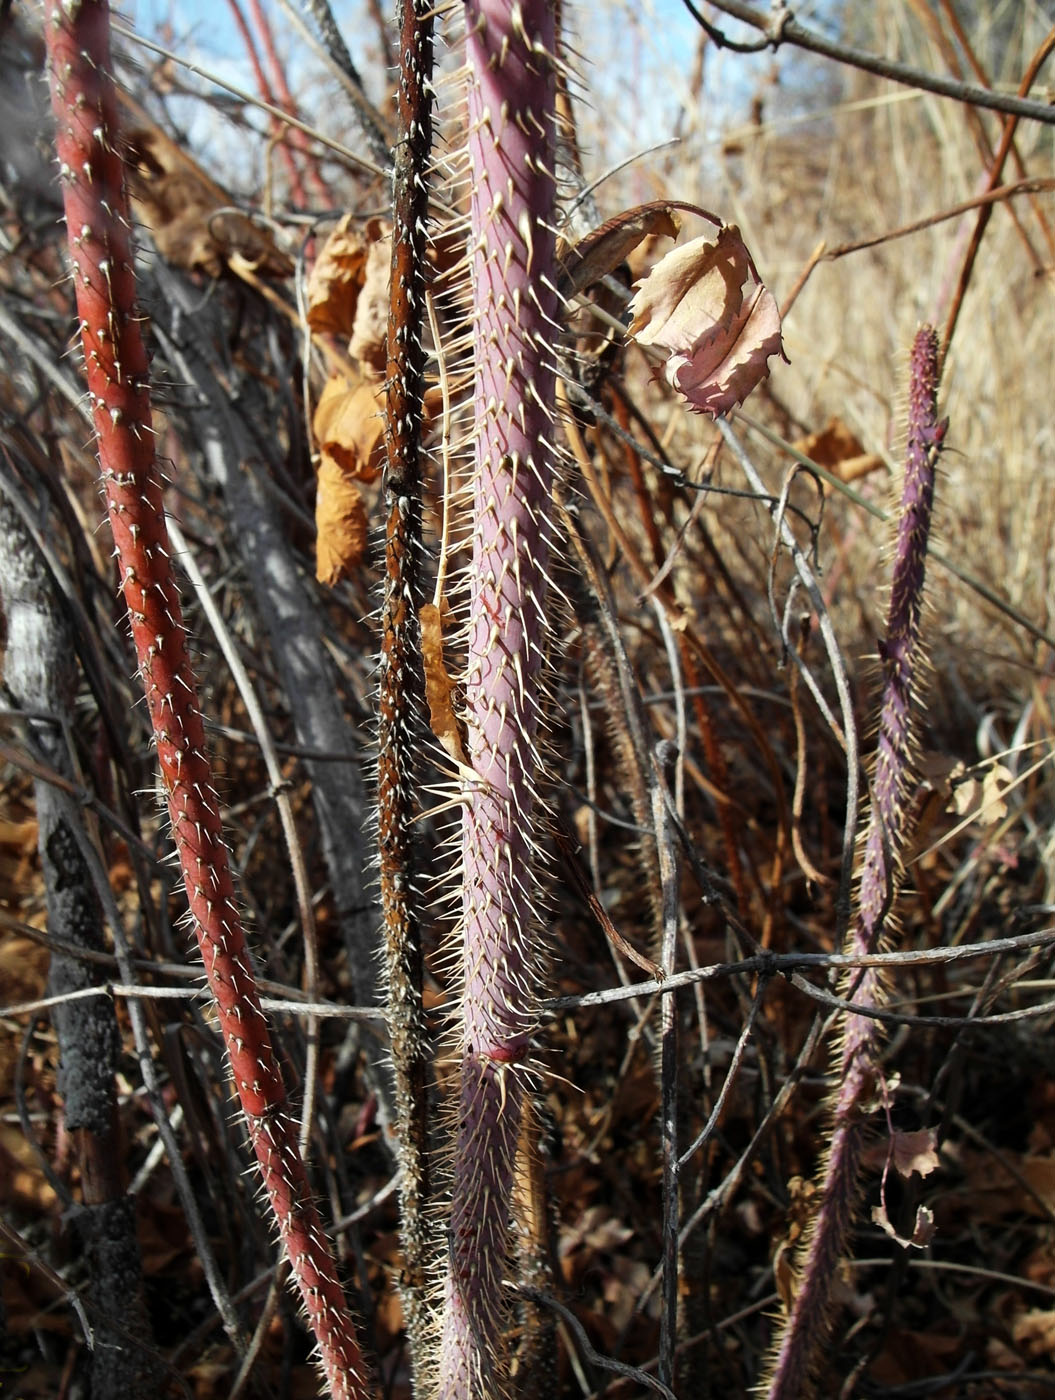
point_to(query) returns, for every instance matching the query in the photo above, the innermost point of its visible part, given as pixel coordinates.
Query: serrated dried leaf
(922, 1230)
(335, 280)
(340, 524)
(915, 1152)
(704, 305)
(602, 250)
(349, 426)
(369, 342)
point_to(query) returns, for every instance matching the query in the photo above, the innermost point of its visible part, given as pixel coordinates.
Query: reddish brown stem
(285, 97)
(264, 87)
(78, 40)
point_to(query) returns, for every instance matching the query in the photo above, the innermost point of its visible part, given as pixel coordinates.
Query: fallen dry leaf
(23, 975)
(990, 1191)
(369, 342)
(340, 523)
(337, 277)
(981, 796)
(349, 426)
(908, 1356)
(704, 305)
(190, 216)
(22, 1182)
(18, 855)
(838, 449)
(1034, 1333)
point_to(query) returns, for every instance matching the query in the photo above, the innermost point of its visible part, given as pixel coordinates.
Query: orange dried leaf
(836, 447)
(704, 305)
(369, 343)
(340, 523)
(336, 278)
(349, 426)
(438, 685)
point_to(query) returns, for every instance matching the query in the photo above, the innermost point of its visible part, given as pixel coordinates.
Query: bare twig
(780, 28)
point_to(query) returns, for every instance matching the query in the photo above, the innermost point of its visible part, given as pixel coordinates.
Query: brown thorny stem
(91, 171)
(798, 1348)
(511, 117)
(400, 681)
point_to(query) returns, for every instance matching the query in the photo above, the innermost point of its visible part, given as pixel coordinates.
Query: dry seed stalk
(78, 39)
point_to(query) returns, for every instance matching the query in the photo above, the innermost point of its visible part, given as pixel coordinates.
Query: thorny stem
(78, 39)
(809, 1320)
(400, 678)
(510, 51)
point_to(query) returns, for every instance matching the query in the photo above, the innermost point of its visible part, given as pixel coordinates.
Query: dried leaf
(340, 522)
(602, 250)
(908, 1356)
(831, 445)
(189, 215)
(692, 294)
(915, 1152)
(981, 796)
(25, 1186)
(1034, 1333)
(438, 685)
(349, 426)
(922, 1230)
(801, 1208)
(18, 853)
(839, 449)
(369, 343)
(337, 277)
(705, 306)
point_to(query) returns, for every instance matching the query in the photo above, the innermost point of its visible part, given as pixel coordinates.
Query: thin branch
(783, 964)
(780, 28)
(1033, 185)
(848, 732)
(321, 1009)
(357, 161)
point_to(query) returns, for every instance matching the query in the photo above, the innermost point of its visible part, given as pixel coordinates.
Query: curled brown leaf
(705, 305)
